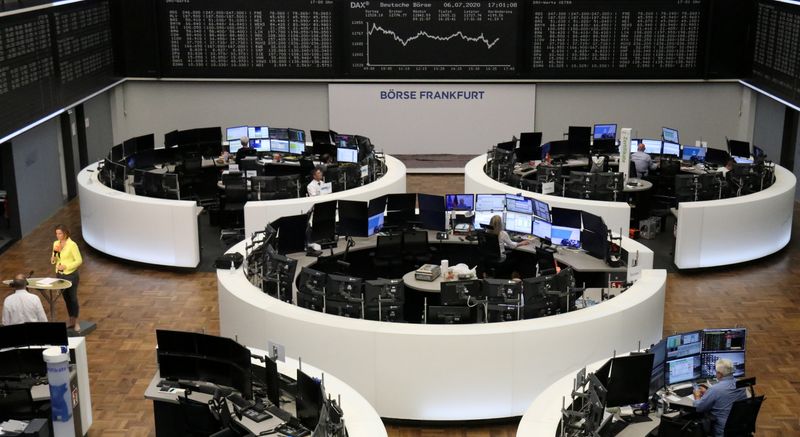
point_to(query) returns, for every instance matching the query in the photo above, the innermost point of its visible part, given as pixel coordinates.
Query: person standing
(67, 258)
(22, 307)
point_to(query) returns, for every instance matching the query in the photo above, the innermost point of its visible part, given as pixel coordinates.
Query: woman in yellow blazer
(67, 258)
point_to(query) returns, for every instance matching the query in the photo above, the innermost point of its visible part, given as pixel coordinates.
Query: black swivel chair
(233, 210)
(387, 259)
(198, 420)
(416, 250)
(491, 260)
(742, 419)
(263, 187)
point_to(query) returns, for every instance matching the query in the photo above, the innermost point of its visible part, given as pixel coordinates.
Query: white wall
(708, 111)
(143, 107)
(768, 129)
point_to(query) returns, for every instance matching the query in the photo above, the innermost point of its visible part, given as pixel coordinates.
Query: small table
(427, 286)
(53, 290)
(641, 185)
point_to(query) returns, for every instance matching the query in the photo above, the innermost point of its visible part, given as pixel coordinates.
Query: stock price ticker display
(776, 53)
(433, 39)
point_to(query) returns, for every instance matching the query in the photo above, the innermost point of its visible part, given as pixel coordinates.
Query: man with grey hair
(718, 400)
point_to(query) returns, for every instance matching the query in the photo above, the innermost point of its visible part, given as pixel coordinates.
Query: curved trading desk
(165, 232)
(258, 213)
(728, 231)
(447, 372)
(617, 215)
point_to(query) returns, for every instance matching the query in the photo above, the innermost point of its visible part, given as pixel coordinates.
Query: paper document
(47, 281)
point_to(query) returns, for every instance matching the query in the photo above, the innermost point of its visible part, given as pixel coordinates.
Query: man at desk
(314, 187)
(22, 307)
(718, 400)
(642, 161)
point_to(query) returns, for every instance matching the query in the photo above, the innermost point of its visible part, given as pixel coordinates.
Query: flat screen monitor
(195, 343)
(604, 132)
(311, 281)
(172, 138)
(200, 368)
(377, 206)
(570, 218)
(323, 221)
(483, 218)
(17, 362)
(345, 154)
(669, 148)
(343, 287)
(321, 137)
(433, 220)
(310, 398)
(406, 202)
(696, 153)
(740, 160)
(297, 147)
(629, 380)
(234, 145)
(458, 292)
(659, 351)
(529, 145)
(353, 219)
(579, 139)
(490, 202)
(375, 224)
(281, 146)
(709, 363)
(519, 222)
(298, 135)
(669, 135)
(116, 153)
(652, 147)
(430, 202)
(292, 234)
(279, 133)
(724, 340)
(260, 145)
(508, 145)
(542, 229)
(460, 202)
(565, 236)
(596, 244)
(541, 210)
(593, 223)
(682, 369)
(556, 148)
(739, 148)
(258, 132)
(716, 156)
(33, 334)
(684, 344)
(521, 204)
(346, 141)
(449, 314)
(235, 133)
(272, 381)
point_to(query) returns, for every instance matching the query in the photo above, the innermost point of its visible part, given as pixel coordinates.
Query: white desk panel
(728, 231)
(258, 213)
(436, 372)
(138, 228)
(617, 215)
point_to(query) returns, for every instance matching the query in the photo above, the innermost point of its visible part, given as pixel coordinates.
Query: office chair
(232, 177)
(251, 164)
(333, 175)
(491, 260)
(416, 250)
(608, 186)
(233, 210)
(263, 187)
(387, 259)
(171, 184)
(198, 420)
(742, 419)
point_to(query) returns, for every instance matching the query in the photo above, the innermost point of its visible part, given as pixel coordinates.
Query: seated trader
(642, 161)
(718, 400)
(314, 187)
(245, 150)
(498, 228)
(22, 307)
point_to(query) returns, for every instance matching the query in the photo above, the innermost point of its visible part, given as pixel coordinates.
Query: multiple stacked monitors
(650, 146)
(693, 355)
(266, 139)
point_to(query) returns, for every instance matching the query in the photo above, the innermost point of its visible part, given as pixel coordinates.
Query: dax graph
(423, 39)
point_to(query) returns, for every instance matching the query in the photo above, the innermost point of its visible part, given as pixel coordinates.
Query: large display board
(616, 38)
(244, 38)
(51, 57)
(776, 52)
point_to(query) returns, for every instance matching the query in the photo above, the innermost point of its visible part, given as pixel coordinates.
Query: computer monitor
(669, 135)
(556, 148)
(566, 217)
(460, 202)
(235, 133)
(430, 202)
(652, 147)
(521, 204)
(490, 202)
(481, 218)
(519, 222)
(433, 220)
(724, 340)
(323, 221)
(291, 233)
(309, 400)
(297, 147)
(659, 351)
(343, 288)
(385, 290)
(375, 224)
(629, 380)
(345, 154)
(202, 368)
(682, 369)
(672, 149)
(684, 344)
(529, 145)
(33, 334)
(449, 315)
(279, 133)
(709, 363)
(696, 153)
(579, 139)
(281, 146)
(17, 363)
(459, 292)
(272, 380)
(507, 145)
(353, 219)
(716, 156)
(501, 289)
(565, 236)
(739, 148)
(260, 145)
(604, 132)
(257, 132)
(377, 206)
(235, 145)
(541, 210)
(542, 229)
(345, 141)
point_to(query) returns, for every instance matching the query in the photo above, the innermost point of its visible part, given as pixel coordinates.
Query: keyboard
(683, 392)
(256, 416)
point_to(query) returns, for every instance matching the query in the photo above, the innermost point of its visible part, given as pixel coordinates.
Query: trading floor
(129, 302)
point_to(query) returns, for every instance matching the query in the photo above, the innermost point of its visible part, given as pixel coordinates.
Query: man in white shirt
(314, 187)
(642, 161)
(22, 307)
